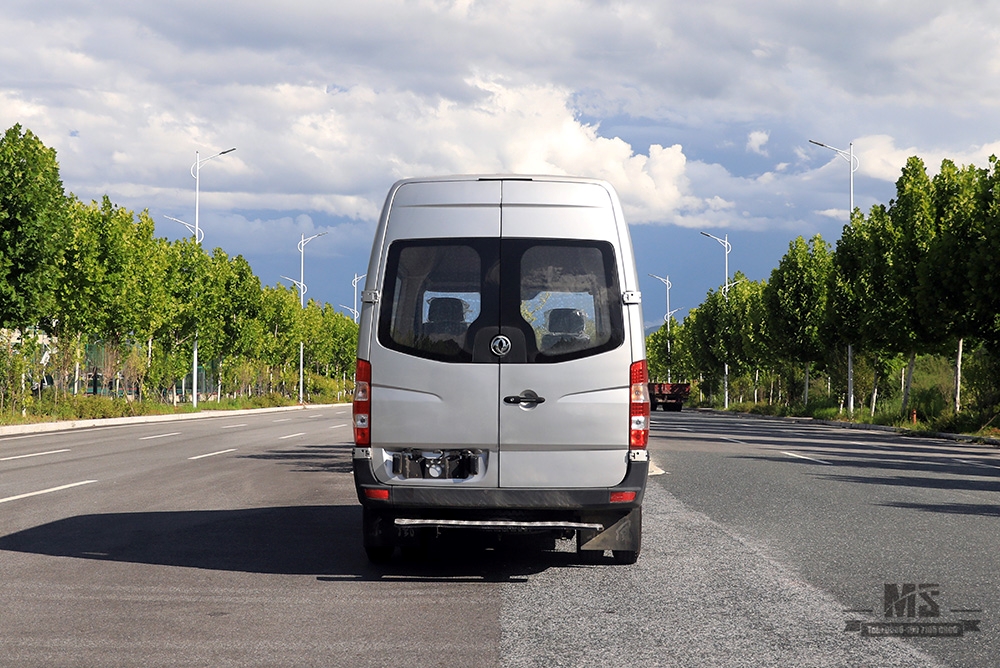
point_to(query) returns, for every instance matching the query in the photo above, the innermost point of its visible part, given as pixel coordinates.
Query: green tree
(32, 224)
(945, 296)
(795, 299)
(983, 269)
(911, 230)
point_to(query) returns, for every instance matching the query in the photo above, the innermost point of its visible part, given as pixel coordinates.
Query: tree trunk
(850, 380)
(874, 390)
(805, 393)
(908, 383)
(958, 379)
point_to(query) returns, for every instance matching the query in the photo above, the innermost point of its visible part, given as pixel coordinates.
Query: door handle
(524, 399)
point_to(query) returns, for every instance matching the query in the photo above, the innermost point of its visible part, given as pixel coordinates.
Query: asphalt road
(235, 541)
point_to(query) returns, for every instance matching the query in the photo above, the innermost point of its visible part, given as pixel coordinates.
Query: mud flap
(623, 534)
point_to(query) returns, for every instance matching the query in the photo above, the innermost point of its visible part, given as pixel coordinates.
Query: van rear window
(566, 297)
(447, 299)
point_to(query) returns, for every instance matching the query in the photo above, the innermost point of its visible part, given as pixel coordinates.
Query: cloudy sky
(700, 113)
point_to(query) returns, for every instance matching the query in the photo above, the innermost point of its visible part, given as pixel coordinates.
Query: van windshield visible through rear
(444, 297)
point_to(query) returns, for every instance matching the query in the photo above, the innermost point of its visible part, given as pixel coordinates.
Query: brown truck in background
(671, 396)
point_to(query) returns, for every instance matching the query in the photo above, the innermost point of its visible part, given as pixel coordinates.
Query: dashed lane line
(212, 454)
(34, 454)
(149, 438)
(812, 459)
(47, 491)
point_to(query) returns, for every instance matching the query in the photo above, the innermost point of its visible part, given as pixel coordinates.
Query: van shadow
(307, 540)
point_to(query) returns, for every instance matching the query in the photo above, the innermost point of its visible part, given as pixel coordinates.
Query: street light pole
(854, 163)
(666, 316)
(725, 295)
(198, 235)
(301, 285)
(357, 279)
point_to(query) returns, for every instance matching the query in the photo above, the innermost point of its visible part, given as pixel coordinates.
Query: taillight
(638, 406)
(362, 404)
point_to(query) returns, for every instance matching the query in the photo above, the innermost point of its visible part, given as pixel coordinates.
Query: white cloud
(757, 141)
(328, 103)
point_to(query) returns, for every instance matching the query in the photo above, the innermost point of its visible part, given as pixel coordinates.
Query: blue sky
(698, 113)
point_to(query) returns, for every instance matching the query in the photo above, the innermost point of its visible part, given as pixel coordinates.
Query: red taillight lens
(638, 406)
(362, 404)
(378, 494)
(622, 497)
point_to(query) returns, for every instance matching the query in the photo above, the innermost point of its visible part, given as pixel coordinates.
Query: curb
(67, 425)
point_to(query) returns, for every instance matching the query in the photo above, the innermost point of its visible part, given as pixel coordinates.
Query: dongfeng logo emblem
(500, 345)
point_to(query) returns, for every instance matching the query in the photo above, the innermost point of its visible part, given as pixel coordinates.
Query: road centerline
(150, 438)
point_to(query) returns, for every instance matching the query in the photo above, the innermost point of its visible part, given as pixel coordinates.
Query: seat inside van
(565, 326)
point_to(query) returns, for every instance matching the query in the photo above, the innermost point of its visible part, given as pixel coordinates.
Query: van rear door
(428, 395)
(564, 413)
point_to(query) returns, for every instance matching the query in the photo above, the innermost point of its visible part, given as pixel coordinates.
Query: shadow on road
(306, 540)
(311, 458)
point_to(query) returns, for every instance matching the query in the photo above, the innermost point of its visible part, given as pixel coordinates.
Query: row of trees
(78, 276)
(917, 277)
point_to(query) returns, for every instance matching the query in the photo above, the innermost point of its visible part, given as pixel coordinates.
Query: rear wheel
(377, 536)
(379, 554)
(625, 557)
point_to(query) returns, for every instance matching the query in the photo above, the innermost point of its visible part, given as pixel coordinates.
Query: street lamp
(854, 163)
(198, 236)
(725, 295)
(357, 279)
(190, 227)
(666, 317)
(300, 284)
(355, 313)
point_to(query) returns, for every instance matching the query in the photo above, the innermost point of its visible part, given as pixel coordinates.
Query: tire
(625, 557)
(379, 554)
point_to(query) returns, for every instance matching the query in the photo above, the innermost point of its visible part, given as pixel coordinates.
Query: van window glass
(569, 296)
(433, 292)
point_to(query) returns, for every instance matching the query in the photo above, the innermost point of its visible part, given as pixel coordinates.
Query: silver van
(501, 374)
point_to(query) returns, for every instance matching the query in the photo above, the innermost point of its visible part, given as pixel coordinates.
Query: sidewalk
(66, 425)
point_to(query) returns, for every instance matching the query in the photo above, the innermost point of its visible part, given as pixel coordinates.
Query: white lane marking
(812, 459)
(46, 491)
(301, 433)
(34, 454)
(338, 426)
(212, 454)
(317, 415)
(233, 426)
(655, 470)
(149, 438)
(960, 461)
(283, 420)
(734, 440)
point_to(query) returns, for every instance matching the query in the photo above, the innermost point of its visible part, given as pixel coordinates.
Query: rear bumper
(411, 499)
